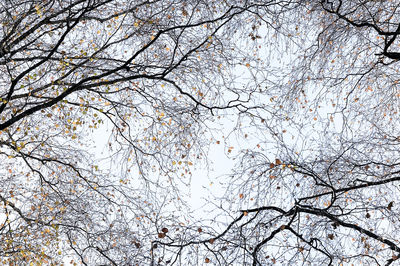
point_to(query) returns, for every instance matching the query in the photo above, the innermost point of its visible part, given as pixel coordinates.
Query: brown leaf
(335, 225)
(164, 230)
(161, 235)
(207, 260)
(390, 205)
(330, 236)
(199, 230)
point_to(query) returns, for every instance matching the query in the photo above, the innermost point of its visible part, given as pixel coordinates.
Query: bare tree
(147, 73)
(312, 86)
(320, 186)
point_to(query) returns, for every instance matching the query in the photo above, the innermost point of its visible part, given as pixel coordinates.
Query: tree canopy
(108, 108)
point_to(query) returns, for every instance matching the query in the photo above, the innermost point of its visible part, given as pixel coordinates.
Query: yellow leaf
(38, 11)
